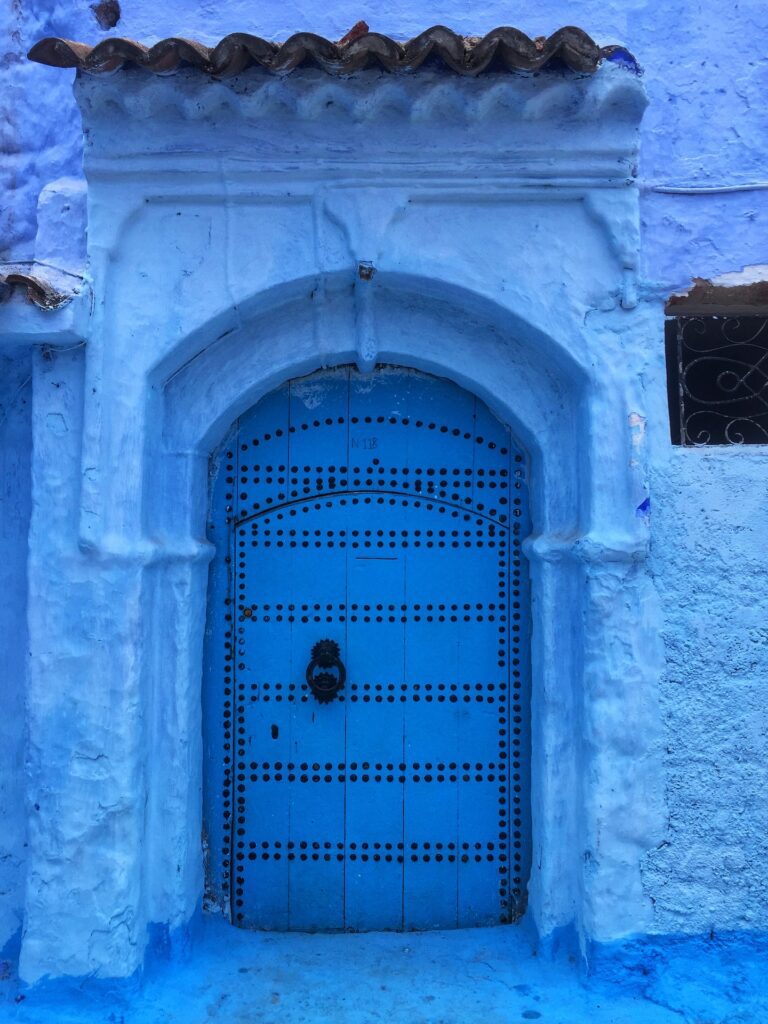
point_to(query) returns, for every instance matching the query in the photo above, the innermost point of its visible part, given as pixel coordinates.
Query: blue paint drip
(9, 960)
(625, 59)
(702, 977)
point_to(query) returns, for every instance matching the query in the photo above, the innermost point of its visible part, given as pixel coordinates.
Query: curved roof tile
(39, 291)
(502, 49)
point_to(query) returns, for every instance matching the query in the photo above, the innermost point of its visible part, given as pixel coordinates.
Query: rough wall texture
(706, 77)
(262, 271)
(708, 553)
(705, 126)
(15, 502)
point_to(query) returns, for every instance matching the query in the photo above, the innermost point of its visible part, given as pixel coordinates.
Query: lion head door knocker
(325, 685)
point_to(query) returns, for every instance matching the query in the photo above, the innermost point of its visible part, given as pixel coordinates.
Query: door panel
(383, 512)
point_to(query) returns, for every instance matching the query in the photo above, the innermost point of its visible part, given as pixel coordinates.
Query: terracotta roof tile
(502, 49)
(39, 291)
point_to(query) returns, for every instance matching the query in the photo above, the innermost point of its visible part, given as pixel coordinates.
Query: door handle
(325, 685)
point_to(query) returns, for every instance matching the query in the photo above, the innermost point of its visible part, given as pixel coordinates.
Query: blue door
(366, 708)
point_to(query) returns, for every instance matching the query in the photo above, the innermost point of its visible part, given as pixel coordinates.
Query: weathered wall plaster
(705, 76)
(177, 279)
(15, 502)
(259, 255)
(710, 569)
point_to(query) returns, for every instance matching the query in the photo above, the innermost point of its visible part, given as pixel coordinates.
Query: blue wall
(706, 77)
(15, 505)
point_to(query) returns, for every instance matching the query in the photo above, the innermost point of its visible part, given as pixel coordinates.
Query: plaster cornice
(611, 95)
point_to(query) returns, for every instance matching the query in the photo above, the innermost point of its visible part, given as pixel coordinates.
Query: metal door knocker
(325, 685)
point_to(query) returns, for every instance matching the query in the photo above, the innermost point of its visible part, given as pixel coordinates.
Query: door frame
(596, 625)
(590, 586)
(503, 256)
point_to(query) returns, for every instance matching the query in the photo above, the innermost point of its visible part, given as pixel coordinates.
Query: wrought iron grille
(717, 377)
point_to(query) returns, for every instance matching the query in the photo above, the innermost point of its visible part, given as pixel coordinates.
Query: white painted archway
(503, 261)
(584, 555)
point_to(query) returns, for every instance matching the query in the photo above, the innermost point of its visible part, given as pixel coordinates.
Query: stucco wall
(710, 522)
(705, 126)
(15, 502)
(705, 74)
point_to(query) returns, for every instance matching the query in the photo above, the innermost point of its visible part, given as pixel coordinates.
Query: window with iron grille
(717, 378)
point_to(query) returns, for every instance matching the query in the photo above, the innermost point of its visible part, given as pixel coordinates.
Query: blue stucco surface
(689, 795)
(430, 978)
(15, 506)
(706, 76)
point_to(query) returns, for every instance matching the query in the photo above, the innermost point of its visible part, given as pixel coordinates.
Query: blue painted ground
(483, 976)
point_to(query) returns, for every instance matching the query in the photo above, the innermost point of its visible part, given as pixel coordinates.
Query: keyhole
(274, 732)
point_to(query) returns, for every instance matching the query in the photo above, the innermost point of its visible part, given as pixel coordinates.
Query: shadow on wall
(15, 510)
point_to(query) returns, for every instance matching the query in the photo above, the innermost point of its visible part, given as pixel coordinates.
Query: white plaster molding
(589, 549)
(622, 230)
(226, 244)
(612, 93)
(366, 346)
(114, 552)
(364, 222)
(369, 120)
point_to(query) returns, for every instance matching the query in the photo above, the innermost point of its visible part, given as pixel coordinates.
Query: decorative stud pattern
(376, 852)
(413, 568)
(389, 693)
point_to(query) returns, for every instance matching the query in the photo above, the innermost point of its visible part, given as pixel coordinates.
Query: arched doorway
(380, 781)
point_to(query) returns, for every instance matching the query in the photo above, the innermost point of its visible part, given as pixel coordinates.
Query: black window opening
(717, 379)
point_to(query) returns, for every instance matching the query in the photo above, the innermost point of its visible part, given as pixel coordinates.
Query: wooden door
(382, 513)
